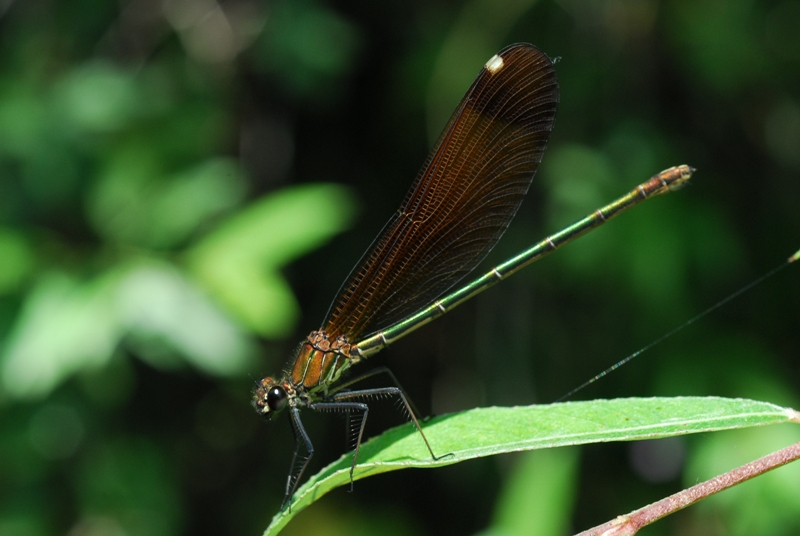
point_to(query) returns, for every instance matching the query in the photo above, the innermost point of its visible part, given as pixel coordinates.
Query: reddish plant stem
(630, 524)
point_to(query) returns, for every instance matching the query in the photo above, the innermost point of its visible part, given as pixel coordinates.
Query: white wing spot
(494, 64)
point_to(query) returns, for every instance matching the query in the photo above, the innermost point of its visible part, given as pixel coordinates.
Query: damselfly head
(270, 397)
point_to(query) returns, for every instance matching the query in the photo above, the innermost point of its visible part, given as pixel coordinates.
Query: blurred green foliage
(171, 177)
(539, 496)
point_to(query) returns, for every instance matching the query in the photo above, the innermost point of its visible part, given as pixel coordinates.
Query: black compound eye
(276, 398)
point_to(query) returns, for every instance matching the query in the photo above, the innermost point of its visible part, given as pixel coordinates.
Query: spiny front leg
(389, 391)
(348, 407)
(300, 439)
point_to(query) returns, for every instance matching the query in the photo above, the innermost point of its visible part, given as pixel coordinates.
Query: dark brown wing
(463, 199)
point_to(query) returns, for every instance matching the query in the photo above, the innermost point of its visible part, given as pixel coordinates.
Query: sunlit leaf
(164, 314)
(64, 327)
(67, 326)
(192, 197)
(488, 431)
(134, 202)
(239, 261)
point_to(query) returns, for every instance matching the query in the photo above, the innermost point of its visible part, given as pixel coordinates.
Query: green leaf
(165, 315)
(487, 431)
(69, 325)
(239, 262)
(191, 197)
(135, 202)
(65, 326)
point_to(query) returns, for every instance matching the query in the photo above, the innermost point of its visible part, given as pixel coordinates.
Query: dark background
(165, 241)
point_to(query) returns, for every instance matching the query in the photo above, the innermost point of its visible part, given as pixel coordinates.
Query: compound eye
(276, 398)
